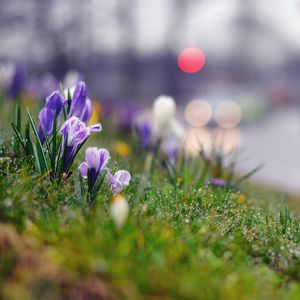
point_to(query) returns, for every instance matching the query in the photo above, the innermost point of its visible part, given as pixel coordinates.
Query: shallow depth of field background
(127, 52)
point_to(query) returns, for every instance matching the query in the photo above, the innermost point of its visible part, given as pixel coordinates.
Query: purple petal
(145, 135)
(17, 81)
(88, 110)
(217, 182)
(41, 135)
(104, 158)
(55, 102)
(46, 120)
(83, 168)
(123, 177)
(92, 158)
(69, 129)
(78, 137)
(119, 181)
(78, 99)
(96, 127)
(64, 128)
(76, 133)
(71, 125)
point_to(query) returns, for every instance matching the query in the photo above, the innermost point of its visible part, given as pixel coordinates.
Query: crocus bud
(164, 110)
(119, 210)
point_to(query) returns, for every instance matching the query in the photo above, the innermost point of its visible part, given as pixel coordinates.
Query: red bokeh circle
(191, 60)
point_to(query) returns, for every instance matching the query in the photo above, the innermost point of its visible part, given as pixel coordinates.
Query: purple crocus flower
(54, 103)
(78, 100)
(95, 162)
(72, 77)
(42, 86)
(46, 117)
(172, 150)
(75, 133)
(81, 106)
(119, 181)
(88, 110)
(17, 81)
(217, 182)
(145, 135)
(127, 115)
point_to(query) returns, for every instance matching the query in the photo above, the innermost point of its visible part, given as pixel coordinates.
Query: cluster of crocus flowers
(78, 105)
(160, 130)
(57, 144)
(95, 164)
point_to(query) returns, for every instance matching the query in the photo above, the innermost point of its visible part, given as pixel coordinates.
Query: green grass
(178, 243)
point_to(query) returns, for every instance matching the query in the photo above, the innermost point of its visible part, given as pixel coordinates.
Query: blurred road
(275, 141)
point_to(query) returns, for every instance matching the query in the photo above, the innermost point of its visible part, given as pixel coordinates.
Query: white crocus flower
(6, 74)
(71, 78)
(71, 89)
(119, 210)
(163, 110)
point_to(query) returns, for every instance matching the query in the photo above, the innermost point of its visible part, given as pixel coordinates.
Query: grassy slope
(197, 244)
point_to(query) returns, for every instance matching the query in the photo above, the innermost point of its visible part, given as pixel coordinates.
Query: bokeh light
(198, 112)
(227, 140)
(228, 114)
(197, 139)
(191, 60)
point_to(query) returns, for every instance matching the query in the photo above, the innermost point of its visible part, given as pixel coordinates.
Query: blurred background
(231, 64)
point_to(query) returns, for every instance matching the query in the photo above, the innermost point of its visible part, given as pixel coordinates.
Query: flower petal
(123, 177)
(83, 168)
(103, 157)
(88, 110)
(46, 116)
(119, 181)
(92, 157)
(55, 102)
(78, 99)
(96, 127)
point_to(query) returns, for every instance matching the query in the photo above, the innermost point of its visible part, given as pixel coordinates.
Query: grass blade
(39, 148)
(18, 135)
(18, 119)
(249, 174)
(37, 161)
(28, 142)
